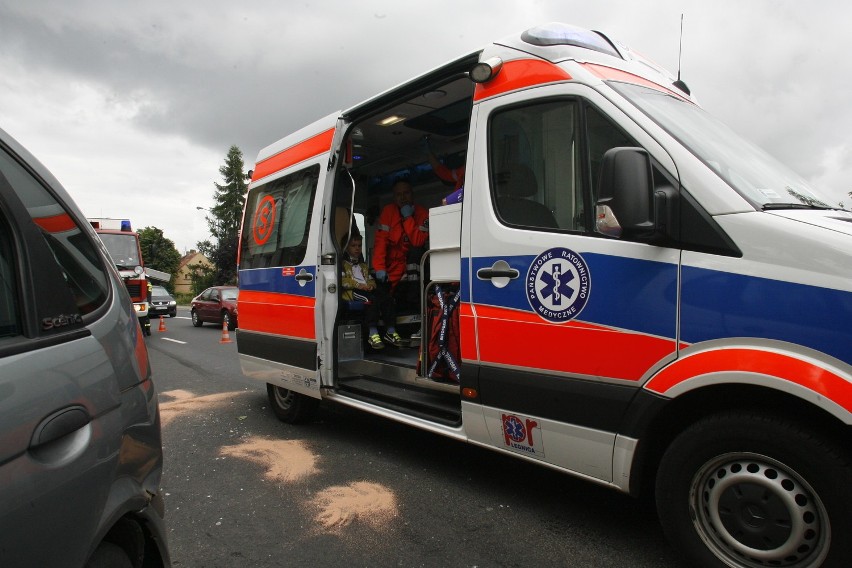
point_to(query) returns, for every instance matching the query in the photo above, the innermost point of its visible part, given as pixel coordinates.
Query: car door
(211, 305)
(566, 320)
(59, 390)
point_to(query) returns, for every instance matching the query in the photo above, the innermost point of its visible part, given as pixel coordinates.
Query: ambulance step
(429, 404)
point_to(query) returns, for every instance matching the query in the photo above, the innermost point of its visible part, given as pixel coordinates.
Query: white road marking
(175, 340)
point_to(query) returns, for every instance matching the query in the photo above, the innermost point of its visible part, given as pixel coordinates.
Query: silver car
(80, 448)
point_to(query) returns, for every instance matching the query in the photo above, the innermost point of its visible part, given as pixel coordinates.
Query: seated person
(359, 286)
(402, 234)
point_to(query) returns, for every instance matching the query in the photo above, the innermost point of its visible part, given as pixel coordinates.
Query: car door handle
(305, 276)
(59, 424)
(489, 273)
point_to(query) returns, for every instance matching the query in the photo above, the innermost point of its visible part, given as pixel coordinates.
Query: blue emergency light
(125, 225)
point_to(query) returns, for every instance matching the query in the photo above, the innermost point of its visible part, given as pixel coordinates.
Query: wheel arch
(139, 540)
(679, 413)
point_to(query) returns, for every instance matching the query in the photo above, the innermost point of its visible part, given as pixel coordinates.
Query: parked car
(81, 454)
(215, 305)
(162, 303)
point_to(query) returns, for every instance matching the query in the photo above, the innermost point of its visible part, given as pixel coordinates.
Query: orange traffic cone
(162, 324)
(226, 337)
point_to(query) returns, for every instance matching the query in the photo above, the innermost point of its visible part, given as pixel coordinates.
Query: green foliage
(201, 277)
(225, 217)
(159, 253)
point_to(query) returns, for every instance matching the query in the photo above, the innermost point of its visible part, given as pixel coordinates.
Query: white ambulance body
(645, 300)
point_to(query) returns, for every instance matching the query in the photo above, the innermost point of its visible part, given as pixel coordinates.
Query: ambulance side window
(534, 164)
(278, 220)
(544, 161)
(603, 135)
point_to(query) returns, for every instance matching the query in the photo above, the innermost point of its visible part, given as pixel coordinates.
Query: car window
(214, 295)
(229, 294)
(73, 250)
(10, 318)
(159, 291)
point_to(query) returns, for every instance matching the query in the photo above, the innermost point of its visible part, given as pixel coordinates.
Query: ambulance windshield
(756, 175)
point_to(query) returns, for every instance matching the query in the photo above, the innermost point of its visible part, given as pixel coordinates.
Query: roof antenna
(680, 84)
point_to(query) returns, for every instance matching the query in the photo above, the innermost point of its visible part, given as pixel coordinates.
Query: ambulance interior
(385, 144)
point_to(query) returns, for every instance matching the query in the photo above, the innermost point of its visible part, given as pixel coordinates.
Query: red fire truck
(123, 246)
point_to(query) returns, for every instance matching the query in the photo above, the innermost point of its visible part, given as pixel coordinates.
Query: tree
(225, 217)
(201, 277)
(159, 253)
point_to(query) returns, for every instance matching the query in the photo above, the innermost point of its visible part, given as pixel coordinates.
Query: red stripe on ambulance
(280, 314)
(574, 347)
(520, 74)
(784, 367)
(612, 74)
(313, 146)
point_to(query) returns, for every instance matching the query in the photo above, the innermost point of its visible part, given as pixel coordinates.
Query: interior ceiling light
(391, 120)
(436, 94)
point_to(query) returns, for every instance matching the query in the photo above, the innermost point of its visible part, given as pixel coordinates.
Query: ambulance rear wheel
(291, 407)
(750, 491)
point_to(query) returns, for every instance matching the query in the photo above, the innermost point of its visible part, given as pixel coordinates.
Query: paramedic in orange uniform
(402, 225)
(452, 176)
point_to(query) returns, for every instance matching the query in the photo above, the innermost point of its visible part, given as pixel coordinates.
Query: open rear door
(280, 253)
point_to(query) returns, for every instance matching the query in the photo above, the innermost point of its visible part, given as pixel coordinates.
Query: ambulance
(628, 291)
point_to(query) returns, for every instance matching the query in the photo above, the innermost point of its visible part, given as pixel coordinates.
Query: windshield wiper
(776, 206)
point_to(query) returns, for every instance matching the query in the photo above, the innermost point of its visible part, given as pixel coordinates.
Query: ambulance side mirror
(625, 194)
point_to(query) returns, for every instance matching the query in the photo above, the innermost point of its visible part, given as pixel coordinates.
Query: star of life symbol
(558, 284)
(514, 428)
(522, 434)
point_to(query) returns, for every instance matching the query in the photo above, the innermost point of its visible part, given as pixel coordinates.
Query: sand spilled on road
(363, 501)
(184, 402)
(284, 460)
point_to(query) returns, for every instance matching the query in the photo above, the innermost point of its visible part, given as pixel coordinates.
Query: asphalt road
(350, 489)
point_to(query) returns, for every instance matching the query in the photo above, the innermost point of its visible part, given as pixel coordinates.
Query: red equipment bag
(443, 347)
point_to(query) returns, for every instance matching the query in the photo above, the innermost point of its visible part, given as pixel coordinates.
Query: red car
(215, 305)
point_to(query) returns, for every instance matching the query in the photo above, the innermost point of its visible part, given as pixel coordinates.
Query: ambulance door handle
(500, 274)
(489, 273)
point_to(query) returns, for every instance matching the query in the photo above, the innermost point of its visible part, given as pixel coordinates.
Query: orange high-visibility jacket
(395, 236)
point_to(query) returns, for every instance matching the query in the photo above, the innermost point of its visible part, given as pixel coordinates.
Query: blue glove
(406, 210)
(381, 275)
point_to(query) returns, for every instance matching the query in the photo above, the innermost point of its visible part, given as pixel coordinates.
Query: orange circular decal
(264, 220)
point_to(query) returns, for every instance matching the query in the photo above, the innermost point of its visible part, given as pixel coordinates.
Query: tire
(746, 490)
(291, 407)
(173, 314)
(226, 319)
(109, 555)
(196, 321)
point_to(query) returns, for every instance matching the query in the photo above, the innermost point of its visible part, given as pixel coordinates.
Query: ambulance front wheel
(747, 490)
(291, 407)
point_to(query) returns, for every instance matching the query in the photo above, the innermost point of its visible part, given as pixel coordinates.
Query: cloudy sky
(133, 105)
